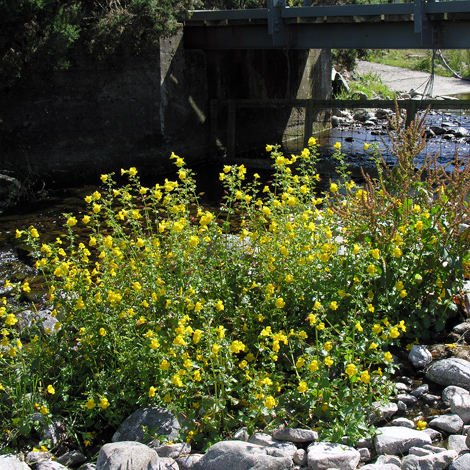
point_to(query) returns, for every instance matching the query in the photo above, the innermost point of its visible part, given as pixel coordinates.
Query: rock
(382, 411)
(460, 405)
(435, 436)
(50, 465)
(11, 191)
(362, 115)
(451, 391)
(383, 113)
(450, 423)
(461, 132)
(241, 435)
(398, 440)
(365, 454)
(388, 460)
(408, 400)
(172, 451)
(438, 130)
(157, 420)
(457, 443)
(32, 458)
(434, 449)
(88, 466)
(450, 371)
(300, 457)
(188, 461)
(401, 387)
(12, 462)
(420, 356)
(42, 318)
(467, 439)
(365, 443)
(429, 462)
(127, 455)
(402, 408)
(387, 466)
(168, 464)
(420, 451)
(339, 83)
(461, 463)
(429, 399)
(263, 439)
(71, 459)
(238, 455)
(295, 435)
(407, 423)
(324, 455)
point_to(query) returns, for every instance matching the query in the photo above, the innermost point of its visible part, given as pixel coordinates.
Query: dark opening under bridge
(418, 25)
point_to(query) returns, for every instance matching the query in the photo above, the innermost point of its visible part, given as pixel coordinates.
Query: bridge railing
(310, 106)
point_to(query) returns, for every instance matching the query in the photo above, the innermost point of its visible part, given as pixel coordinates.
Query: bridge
(418, 25)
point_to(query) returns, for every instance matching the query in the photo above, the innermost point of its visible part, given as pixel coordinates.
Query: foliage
(370, 84)
(50, 35)
(346, 59)
(289, 320)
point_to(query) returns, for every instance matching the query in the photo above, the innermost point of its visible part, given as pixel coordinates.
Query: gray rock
(419, 356)
(50, 465)
(263, 439)
(402, 408)
(157, 420)
(407, 399)
(407, 423)
(467, 439)
(88, 466)
(460, 405)
(363, 115)
(365, 443)
(387, 466)
(365, 454)
(238, 455)
(435, 436)
(382, 411)
(461, 132)
(450, 423)
(457, 443)
(71, 459)
(32, 458)
(429, 462)
(429, 399)
(12, 462)
(167, 463)
(451, 371)
(127, 455)
(323, 455)
(420, 451)
(451, 391)
(172, 451)
(295, 435)
(241, 435)
(438, 130)
(461, 463)
(398, 440)
(418, 391)
(434, 449)
(42, 318)
(300, 457)
(188, 461)
(401, 387)
(388, 460)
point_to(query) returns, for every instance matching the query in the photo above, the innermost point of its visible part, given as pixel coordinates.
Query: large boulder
(398, 440)
(324, 455)
(451, 371)
(127, 455)
(239, 455)
(438, 461)
(11, 462)
(157, 420)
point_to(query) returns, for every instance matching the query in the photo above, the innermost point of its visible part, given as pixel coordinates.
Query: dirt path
(404, 80)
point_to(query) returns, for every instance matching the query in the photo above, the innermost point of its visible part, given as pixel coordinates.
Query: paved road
(404, 80)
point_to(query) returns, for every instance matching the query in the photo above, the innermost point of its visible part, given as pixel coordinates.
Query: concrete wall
(99, 117)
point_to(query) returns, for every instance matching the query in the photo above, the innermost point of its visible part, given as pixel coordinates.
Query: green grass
(370, 84)
(421, 60)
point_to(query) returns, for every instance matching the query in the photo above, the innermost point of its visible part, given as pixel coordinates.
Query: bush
(291, 319)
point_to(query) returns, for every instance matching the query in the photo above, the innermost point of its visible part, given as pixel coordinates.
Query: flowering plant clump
(289, 320)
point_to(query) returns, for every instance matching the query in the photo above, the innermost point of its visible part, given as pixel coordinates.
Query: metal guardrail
(420, 24)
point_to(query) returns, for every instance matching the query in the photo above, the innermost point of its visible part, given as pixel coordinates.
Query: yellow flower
(270, 402)
(371, 308)
(302, 388)
(366, 145)
(351, 370)
(416, 209)
(50, 389)
(96, 208)
(219, 305)
(334, 305)
(419, 225)
(394, 333)
(333, 187)
(26, 287)
(397, 252)
(86, 219)
(102, 332)
(388, 357)
(312, 141)
(420, 425)
(154, 344)
(313, 366)
(403, 293)
(328, 361)
(44, 410)
(300, 362)
(371, 269)
(11, 319)
(399, 285)
(164, 365)
(104, 403)
(152, 391)
(72, 221)
(337, 145)
(321, 326)
(18, 233)
(356, 249)
(34, 233)
(90, 404)
(376, 253)
(280, 303)
(358, 326)
(365, 377)
(215, 348)
(269, 148)
(132, 171)
(373, 346)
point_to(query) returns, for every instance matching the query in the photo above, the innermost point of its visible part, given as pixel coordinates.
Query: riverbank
(405, 80)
